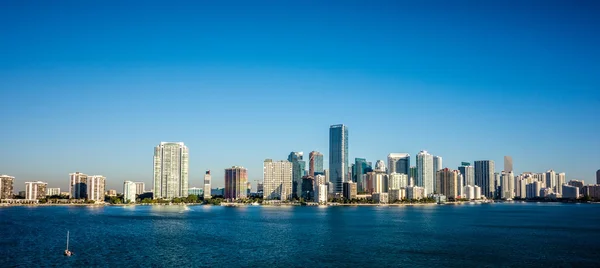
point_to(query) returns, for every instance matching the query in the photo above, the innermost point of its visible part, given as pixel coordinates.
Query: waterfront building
(171, 167)
(437, 166)
(397, 180)
(338, 156)
(322, 193)
(497, 185)
(298, 166)
(95, 188)
(6, 186)
(521, 188)
(560, 180)
(52, 191)
(129, 192)
(415, 192)
(361, 168)
(468, 173)
(197, 191)
(319, 179)
(577, 183)
(65, 194)
(508, 185)
(425, 175)
(35, 190)
(477, 191)
(447, 183)
(260, 187)
(140, 187)
(236, 178)
(350, 190)
(207, 179)
(598, 176)
(308, 192)
(78, 185)
(592, 191)
(533, 189)
(379, 182)
(399, 163)
(508, 163)
(570, 192)
(111, 192)
(315, 164)
(413, 174)
(484, 174)
(397, 194)
(469, 192)
(551, 179)
(331, 188)
(277, 180)
(381, 198)
(217, 191)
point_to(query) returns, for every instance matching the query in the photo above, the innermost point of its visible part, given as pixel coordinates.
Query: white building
(207, 179)
(380, 166)
(171, 163)
(560, 180)
(380, 182)
(508, 185)
(477, 191)
(52, 191)
(551, 179)
(469, 192)
(277, 180)
(322, 193)
(398, 163)
(78, 185)
(129, 192)
(425, 176)
(382, 198)
(96, 188)
(35, 190)
(521, 190)
(397, 180)
(533, 189)
(415, 192)
(140, 187)
(396, 194)
(570, 192)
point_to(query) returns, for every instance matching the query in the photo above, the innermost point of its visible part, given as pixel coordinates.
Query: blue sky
(93, 86)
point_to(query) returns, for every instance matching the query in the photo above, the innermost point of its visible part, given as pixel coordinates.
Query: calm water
(496, 235)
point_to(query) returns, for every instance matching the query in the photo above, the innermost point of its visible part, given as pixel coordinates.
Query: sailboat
(67, 252)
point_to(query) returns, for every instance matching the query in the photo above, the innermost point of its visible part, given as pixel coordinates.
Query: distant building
(96, 187)
(521, 189)
(217, 191)
(350, 190)
(577, 183)
(592, 191)
(78, 185)
(171, 168)
(533, 189)
(397, 180)
(477, 191)
(379, 181)
(322, 193)
(277, 180)
(129, 192)
(448, 183)
(381, 198)
(361, 168)
(52, 191)
(469, 192)
(399, 163)
(413, 174)
(308, 192)
(484, 175)
(560, 180)
(196, 191)
(598, 176)
(236, 178)
(298, 168)
(315, 163)
(425, 175)
(508, 185)
(207, 181)
(437, 166)
(140, 187)
(468, 173)
(396, 194)
(439, 198)
(508, 164)
(415, 192)
(6, 186)
(21, 194)
(111, 192)
(338, 156)
(551, 180)
(570, 192)
(35, 190)
(260, 187)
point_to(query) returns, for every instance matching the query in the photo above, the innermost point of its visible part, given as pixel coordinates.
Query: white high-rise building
(140, 187)
(551, 179)
(277, 180)
(560, 180)
(35, 190)
(52, 191)
(129, 192)
(397, 181)
(469, 192)
(425, 176)
(207, 179)
(508, 185)
(380, 166)
(96, 188)
(477, 191)
(521, 189)
(322, 193)
(78, 185)
(399, 163)
(171, 161)
(380, 182)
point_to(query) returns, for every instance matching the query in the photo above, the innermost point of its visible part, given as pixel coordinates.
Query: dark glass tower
(338, 156)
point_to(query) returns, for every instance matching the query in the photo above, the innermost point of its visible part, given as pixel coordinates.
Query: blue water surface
(488, 235)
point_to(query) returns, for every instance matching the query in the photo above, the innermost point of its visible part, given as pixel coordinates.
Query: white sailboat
(67, 252)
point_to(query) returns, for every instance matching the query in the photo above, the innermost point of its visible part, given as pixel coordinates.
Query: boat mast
(67, 240)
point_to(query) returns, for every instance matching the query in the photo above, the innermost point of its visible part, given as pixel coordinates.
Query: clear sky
(93, 86)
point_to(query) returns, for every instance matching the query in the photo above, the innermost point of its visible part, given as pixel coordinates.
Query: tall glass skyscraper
(425, 171)
(298, 170)
(468, 173)
(484, 177)
(399, 163)
(361, 167)
(315, 163)
(338, 156)
(171, 162)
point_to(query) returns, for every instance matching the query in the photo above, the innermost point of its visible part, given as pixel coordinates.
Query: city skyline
(235, 77)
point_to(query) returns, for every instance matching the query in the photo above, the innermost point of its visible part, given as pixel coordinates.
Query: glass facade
(298, 170)
(338, 156)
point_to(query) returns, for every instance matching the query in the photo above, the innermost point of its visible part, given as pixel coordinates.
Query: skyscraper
(413, 175)
(551, 179)
(397, 181)
(508, 185)
(560, 180)
(425, 171)
(448, 183)
(235, 183)
(598, 176)
(437, 166)
(6, 186)
(361, 167)
(129, 192)
(298, 165)
(207, 178)
(277, 180)
(78, 185)
(484, 175)
(95, 188)
(380, 166)
(315, 163)
(171, 161)
(35, 190)
(508, 164)
(338, 156)
(140, 188)
(399, 163)
(468, 173)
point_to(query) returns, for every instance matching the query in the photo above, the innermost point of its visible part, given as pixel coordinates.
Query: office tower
(349, 191)
(171, 161)
(129, 192)
(560, 180)
(484, 174)
(95, 188)
(35, 190)
(248, 188)
(598, 176)
(468, 173)
(235, 183)
(380, 166)
(551, 179)
(78, 185)
(447, 183)
(315, 163)
(6, 186)
(338, 156)
(508, 185)
(397, 181)
(307, 187)
(425, 172)
(399, 163)
(297, 172)
(52, 191)
(140, 188)
(437, 166)
(380, 182)
(361, 167)
(496, 185)
(206, 190)
(508, 164)
(413, 174)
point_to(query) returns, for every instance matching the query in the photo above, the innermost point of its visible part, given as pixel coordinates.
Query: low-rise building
(415, 192)
(397, 194)
(52, 191)
(349, 190)
(111, 192)
(195, 191)
(381, 198)
(570, 192)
